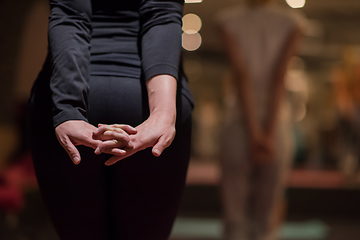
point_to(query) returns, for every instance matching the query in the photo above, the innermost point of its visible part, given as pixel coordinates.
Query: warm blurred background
(322, 82)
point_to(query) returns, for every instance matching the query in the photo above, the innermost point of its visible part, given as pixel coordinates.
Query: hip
(111, 99)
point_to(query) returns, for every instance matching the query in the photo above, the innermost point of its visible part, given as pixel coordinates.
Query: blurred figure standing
(257, 146)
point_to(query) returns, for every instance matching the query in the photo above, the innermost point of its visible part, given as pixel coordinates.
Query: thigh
(75, 195)
(146, 190)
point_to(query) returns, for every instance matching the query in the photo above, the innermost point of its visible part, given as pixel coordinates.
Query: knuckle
(101, 145)
(66, 144)
(119, 130)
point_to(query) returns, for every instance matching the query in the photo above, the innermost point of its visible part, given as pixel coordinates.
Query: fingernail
(97, 150)
(157, 152)
(96, 131)
(122, 151)
(76, 160)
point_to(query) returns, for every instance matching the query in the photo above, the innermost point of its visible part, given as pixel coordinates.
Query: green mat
(212, 229)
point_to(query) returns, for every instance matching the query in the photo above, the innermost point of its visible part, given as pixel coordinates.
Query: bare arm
(277, 90)
(242, 83)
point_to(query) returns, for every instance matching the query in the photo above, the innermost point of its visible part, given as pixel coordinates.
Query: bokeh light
(193, 1)
(191, 42)
(191, 23)
(296, 3)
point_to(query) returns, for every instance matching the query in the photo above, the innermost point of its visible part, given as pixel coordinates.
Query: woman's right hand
(158, 132)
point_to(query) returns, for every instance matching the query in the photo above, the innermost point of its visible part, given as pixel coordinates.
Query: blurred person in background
(112, 63)
(257, 144)
(346, 83)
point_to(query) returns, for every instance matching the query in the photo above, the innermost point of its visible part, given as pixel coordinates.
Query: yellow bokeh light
(296, 3)
(191, 23)
(193, 1)
(191, 42)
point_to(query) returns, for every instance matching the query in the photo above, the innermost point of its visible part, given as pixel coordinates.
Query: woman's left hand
(158, 131)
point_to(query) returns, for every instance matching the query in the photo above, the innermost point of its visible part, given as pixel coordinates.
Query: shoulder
(289, 16)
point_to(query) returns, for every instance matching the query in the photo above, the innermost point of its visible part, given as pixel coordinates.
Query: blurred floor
(319, 207)
(311, 229)
(313, 214)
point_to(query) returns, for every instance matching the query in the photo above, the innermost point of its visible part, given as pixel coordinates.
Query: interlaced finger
(127, 128)
(107, 135)
(115, 159)
(118, 127)
(115, 151)
(108, 144)
(103, 128)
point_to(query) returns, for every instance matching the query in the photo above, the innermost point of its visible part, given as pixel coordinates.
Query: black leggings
(134, 199)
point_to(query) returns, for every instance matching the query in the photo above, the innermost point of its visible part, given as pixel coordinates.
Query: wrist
(162, 98)
(166, 116)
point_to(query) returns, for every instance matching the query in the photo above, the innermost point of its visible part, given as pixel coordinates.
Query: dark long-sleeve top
(136, 38)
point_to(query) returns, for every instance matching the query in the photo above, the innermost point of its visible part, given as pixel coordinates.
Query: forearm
(277, 90)
(277, 93)
(162, 97)
(161, 49)
(247, 105)
(69, 43)
(242, 84)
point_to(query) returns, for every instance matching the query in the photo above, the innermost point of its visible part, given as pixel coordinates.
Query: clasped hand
(262, 149)
(119, 140)
(158, 132)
